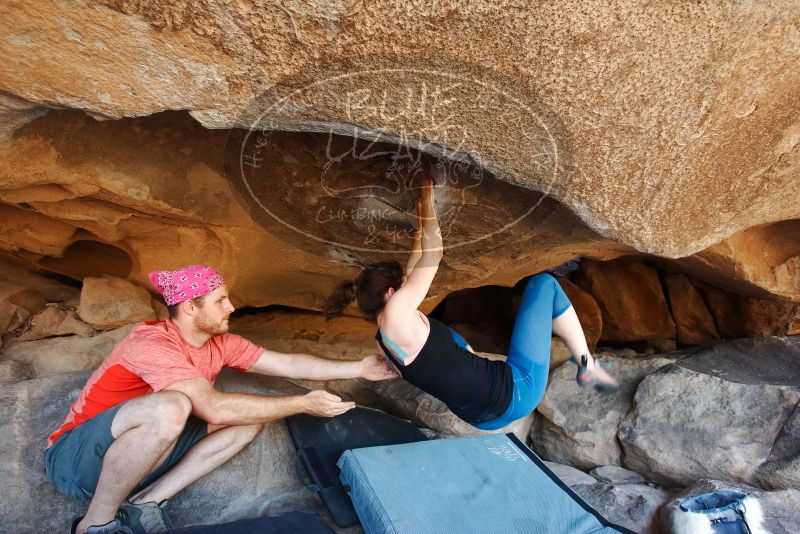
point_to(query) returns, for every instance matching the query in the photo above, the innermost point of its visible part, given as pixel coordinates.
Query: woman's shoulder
(401, 321)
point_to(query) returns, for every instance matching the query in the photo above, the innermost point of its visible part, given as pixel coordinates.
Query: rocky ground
(723, 415)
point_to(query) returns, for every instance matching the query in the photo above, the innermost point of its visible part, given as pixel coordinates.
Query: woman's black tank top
(474, 388)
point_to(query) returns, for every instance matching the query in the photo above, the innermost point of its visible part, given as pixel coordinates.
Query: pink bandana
(186, 283)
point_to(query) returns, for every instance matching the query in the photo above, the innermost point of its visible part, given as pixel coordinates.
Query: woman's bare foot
(592, 374)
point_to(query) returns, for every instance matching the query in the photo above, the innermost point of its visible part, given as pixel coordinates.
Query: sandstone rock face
(781, 508)
(189, 208)
(634, 506)
(739, 316)
(112, 302)
(715, 414)
(214, 61)
(768, 253)
(672, 175)
(694, 323)
(56, 355)
(423, 409)
(258, 481)
(631, 300)
(578, 426)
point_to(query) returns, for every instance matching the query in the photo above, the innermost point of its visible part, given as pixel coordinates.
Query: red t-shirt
(154, 356)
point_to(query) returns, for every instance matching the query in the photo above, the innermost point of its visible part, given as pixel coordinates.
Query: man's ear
(188, 307)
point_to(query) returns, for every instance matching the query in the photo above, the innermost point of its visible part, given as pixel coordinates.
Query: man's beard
(205, 325)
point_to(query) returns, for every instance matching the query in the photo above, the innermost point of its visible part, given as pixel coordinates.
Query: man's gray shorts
(73, 463)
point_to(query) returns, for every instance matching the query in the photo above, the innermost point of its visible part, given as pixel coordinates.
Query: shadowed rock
(717, 413)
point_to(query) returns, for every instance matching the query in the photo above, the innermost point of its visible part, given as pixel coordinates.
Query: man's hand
(324, 404)
(375, 368)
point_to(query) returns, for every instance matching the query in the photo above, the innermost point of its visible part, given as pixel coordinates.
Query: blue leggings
(529, 353)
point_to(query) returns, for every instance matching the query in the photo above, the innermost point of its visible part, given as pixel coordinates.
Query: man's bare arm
(222, 408)
(308, 367)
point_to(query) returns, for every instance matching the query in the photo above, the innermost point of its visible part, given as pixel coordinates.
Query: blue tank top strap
(398, 353)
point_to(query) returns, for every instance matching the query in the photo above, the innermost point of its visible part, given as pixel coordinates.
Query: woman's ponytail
(341, 297)
(369, 288)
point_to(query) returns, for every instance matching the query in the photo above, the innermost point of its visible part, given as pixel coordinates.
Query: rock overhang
(670, 154)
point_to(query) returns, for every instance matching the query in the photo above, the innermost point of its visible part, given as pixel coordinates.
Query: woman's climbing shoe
(597, 376)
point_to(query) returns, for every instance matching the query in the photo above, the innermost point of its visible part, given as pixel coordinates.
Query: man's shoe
(144, 518)
(112, 527)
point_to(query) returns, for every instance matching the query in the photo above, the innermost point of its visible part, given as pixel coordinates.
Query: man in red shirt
(149, 422)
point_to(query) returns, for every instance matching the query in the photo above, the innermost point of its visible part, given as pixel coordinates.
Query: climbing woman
(487, 394)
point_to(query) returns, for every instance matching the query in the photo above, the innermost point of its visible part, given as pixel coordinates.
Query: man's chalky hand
(324, 404)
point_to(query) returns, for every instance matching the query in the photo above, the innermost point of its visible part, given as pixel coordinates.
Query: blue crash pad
(491, 483)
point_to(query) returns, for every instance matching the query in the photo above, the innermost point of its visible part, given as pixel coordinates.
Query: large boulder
(19, 299)
(782, 468)
(578, 426)
(631, 300)
(716, 414)
(780, 508)
(55, 320)
(17, 305)
(111, 302)
(56, 355)
(260, 480)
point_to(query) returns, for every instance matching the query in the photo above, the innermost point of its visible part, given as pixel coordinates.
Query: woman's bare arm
(410, 296)
(416, 248)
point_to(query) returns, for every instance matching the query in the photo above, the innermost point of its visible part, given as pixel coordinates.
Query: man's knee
(170, 412)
